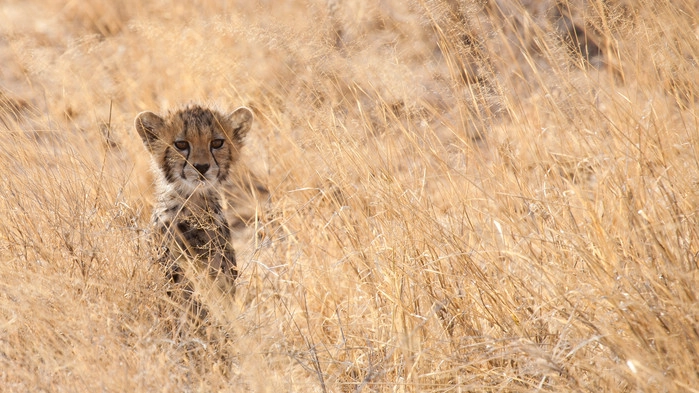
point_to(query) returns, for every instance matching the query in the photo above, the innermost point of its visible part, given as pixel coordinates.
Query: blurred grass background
(436, 195)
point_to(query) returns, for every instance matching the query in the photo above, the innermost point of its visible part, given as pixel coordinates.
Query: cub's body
(192, 151)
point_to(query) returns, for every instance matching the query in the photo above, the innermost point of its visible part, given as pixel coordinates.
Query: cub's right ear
(149, 126)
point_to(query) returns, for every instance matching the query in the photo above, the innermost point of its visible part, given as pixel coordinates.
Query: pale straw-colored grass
(458, 200)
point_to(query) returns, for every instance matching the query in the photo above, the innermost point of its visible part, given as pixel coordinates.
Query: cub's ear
(240, 121)
(149, 127)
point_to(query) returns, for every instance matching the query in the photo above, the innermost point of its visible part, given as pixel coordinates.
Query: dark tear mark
(186, 160)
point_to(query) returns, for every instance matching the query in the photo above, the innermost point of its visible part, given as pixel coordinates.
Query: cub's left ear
(240, 121)
(149, 127)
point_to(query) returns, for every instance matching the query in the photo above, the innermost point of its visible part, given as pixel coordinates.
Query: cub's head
(194, 148)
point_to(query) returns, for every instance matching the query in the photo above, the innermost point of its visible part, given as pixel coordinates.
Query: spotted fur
(192, 151)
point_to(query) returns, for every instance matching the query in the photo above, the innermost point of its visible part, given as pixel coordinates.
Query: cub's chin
(197, 185)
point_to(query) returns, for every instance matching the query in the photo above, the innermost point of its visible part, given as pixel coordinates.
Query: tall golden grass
(451, 195)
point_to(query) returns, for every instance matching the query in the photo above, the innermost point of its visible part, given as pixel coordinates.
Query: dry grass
(463, 196)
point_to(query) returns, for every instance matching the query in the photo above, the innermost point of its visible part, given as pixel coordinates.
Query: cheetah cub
(192, 151)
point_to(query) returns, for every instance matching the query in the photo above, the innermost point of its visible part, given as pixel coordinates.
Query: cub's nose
(202, 168)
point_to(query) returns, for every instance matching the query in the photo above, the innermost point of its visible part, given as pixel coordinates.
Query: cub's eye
(182, 145)
(216, 143)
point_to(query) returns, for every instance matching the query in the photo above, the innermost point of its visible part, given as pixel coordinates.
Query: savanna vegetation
(436, 195)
